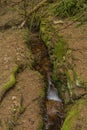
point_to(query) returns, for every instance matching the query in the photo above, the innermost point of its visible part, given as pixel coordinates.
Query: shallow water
(52, 92)
(53, 95)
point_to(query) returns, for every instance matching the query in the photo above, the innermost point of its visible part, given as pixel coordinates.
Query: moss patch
(75, 116)
(40, 126)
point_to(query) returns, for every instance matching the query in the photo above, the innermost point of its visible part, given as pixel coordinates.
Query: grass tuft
(69, 8)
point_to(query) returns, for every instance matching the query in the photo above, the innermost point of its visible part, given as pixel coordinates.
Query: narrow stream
(53, 118)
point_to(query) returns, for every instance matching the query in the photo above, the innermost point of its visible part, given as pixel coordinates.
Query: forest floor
(20, 108)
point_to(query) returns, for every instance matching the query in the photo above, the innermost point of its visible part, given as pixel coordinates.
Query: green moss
(47, 32)
(40, 127)
(68, 121)
(10, 83)
(55, 43)
(59, 50)
(42, 93)
(73, 115)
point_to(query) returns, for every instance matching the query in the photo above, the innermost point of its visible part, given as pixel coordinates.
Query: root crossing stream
(53, 118)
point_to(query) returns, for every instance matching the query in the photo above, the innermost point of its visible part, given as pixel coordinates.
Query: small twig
(15, 3)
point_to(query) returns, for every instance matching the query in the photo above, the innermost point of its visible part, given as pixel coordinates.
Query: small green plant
(40, 127)
(69, 8)
(34, 22)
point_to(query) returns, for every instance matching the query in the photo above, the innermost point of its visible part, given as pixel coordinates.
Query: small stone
(58, 22)
(13, 97)
(14, 109)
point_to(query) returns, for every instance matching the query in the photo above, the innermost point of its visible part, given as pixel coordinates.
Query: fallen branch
(31, 12)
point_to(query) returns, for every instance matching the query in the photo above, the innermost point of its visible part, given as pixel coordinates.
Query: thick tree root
(12, 80)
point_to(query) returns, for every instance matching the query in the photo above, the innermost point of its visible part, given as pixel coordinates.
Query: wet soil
(41, 58)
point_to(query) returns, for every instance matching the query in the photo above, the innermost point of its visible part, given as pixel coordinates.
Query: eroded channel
(54, 115)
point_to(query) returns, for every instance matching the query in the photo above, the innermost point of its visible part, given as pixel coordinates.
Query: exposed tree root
(12, 80)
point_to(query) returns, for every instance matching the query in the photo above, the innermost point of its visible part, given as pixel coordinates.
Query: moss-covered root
(12, 80)
(40, 126)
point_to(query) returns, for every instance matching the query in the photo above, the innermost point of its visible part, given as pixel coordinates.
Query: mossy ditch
(43, 64)
(51, 53)
(63, 73)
